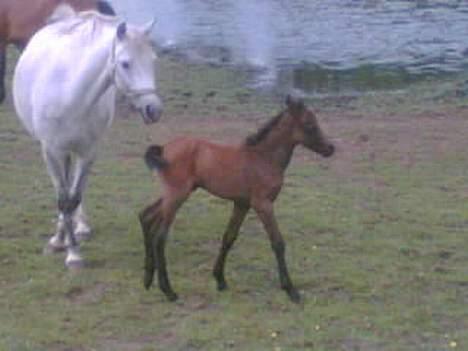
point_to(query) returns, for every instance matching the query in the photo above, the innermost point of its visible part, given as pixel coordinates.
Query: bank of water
(315, 46)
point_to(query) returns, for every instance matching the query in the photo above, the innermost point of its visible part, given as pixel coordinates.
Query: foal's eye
(125, 65)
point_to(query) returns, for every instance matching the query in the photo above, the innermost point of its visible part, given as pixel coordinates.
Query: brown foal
(250, 175)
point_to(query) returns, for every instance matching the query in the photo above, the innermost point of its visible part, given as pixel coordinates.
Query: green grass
(376, 246)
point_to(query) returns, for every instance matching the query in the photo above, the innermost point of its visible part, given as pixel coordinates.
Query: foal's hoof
(148, 279)
(222, 285)
(294, 295)
(171, 296)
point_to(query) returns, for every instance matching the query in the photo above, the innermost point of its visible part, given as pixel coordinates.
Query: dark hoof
(171, 296)
(148, 279)
(294, 295)
(222, 286)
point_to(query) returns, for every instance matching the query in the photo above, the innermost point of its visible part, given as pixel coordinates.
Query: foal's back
(220, 169)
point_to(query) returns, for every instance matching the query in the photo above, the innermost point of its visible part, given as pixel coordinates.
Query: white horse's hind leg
(57, 242)
(80, 221)
(82, 231)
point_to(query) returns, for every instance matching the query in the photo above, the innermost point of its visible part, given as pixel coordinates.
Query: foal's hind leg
(230, 235)
(150, 219)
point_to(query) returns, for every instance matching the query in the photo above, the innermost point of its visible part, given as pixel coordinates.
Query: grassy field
(377, 235)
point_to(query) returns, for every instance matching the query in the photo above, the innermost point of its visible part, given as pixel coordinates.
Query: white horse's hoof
(74, 259)
(50, 249)
(54, 245)
(82, 231)
(83, 235)
(74, 264)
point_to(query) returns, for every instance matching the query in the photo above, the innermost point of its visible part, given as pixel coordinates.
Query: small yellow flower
(317, 327)
(274, 335)
(277, 348)
(453, 344)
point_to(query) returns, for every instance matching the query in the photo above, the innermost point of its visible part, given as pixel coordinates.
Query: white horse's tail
(61, 12)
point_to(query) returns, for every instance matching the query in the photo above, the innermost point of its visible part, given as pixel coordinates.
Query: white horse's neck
(98, 75)
(92, 53)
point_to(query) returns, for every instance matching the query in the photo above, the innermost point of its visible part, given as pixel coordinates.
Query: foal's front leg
(265, 212)
(171, 202)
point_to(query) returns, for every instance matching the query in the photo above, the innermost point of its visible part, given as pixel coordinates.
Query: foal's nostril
(330, 150)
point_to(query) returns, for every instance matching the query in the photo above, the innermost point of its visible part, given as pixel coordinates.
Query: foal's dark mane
(263, 131)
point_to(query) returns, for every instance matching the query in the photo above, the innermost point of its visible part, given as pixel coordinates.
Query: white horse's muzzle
(147, 103)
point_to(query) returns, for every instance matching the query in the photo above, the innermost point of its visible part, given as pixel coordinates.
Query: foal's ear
(148, 27)
(122, 31)
(294, 104)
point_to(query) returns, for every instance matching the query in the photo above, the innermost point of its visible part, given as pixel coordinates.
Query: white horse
(64, 88)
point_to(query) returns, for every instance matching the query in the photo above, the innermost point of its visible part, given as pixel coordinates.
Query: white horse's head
(134, 70)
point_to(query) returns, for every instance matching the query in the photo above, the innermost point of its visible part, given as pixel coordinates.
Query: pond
(315, 45)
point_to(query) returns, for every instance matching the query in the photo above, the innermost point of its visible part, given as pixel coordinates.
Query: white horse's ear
(148, 27)
(121, 31)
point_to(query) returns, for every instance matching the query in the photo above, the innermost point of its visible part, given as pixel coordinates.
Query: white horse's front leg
(61, 183)
(58, 164)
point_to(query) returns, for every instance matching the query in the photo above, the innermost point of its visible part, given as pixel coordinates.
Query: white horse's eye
(125, 65)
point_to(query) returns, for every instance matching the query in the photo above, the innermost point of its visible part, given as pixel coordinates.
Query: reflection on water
(315, 42)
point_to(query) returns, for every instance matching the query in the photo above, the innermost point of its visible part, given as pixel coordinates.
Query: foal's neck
(278, 146)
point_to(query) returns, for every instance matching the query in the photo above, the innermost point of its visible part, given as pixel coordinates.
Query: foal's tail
(154, 158)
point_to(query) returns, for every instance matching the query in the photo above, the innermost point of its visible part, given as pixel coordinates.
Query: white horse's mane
(69, 19)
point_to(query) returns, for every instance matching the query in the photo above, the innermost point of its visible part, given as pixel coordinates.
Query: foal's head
(134, 72)
(306, 129)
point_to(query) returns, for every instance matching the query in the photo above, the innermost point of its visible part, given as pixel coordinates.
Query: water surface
(315, 45)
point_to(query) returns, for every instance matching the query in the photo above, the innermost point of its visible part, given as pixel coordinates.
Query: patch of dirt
(356, 344)
(92, 294)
